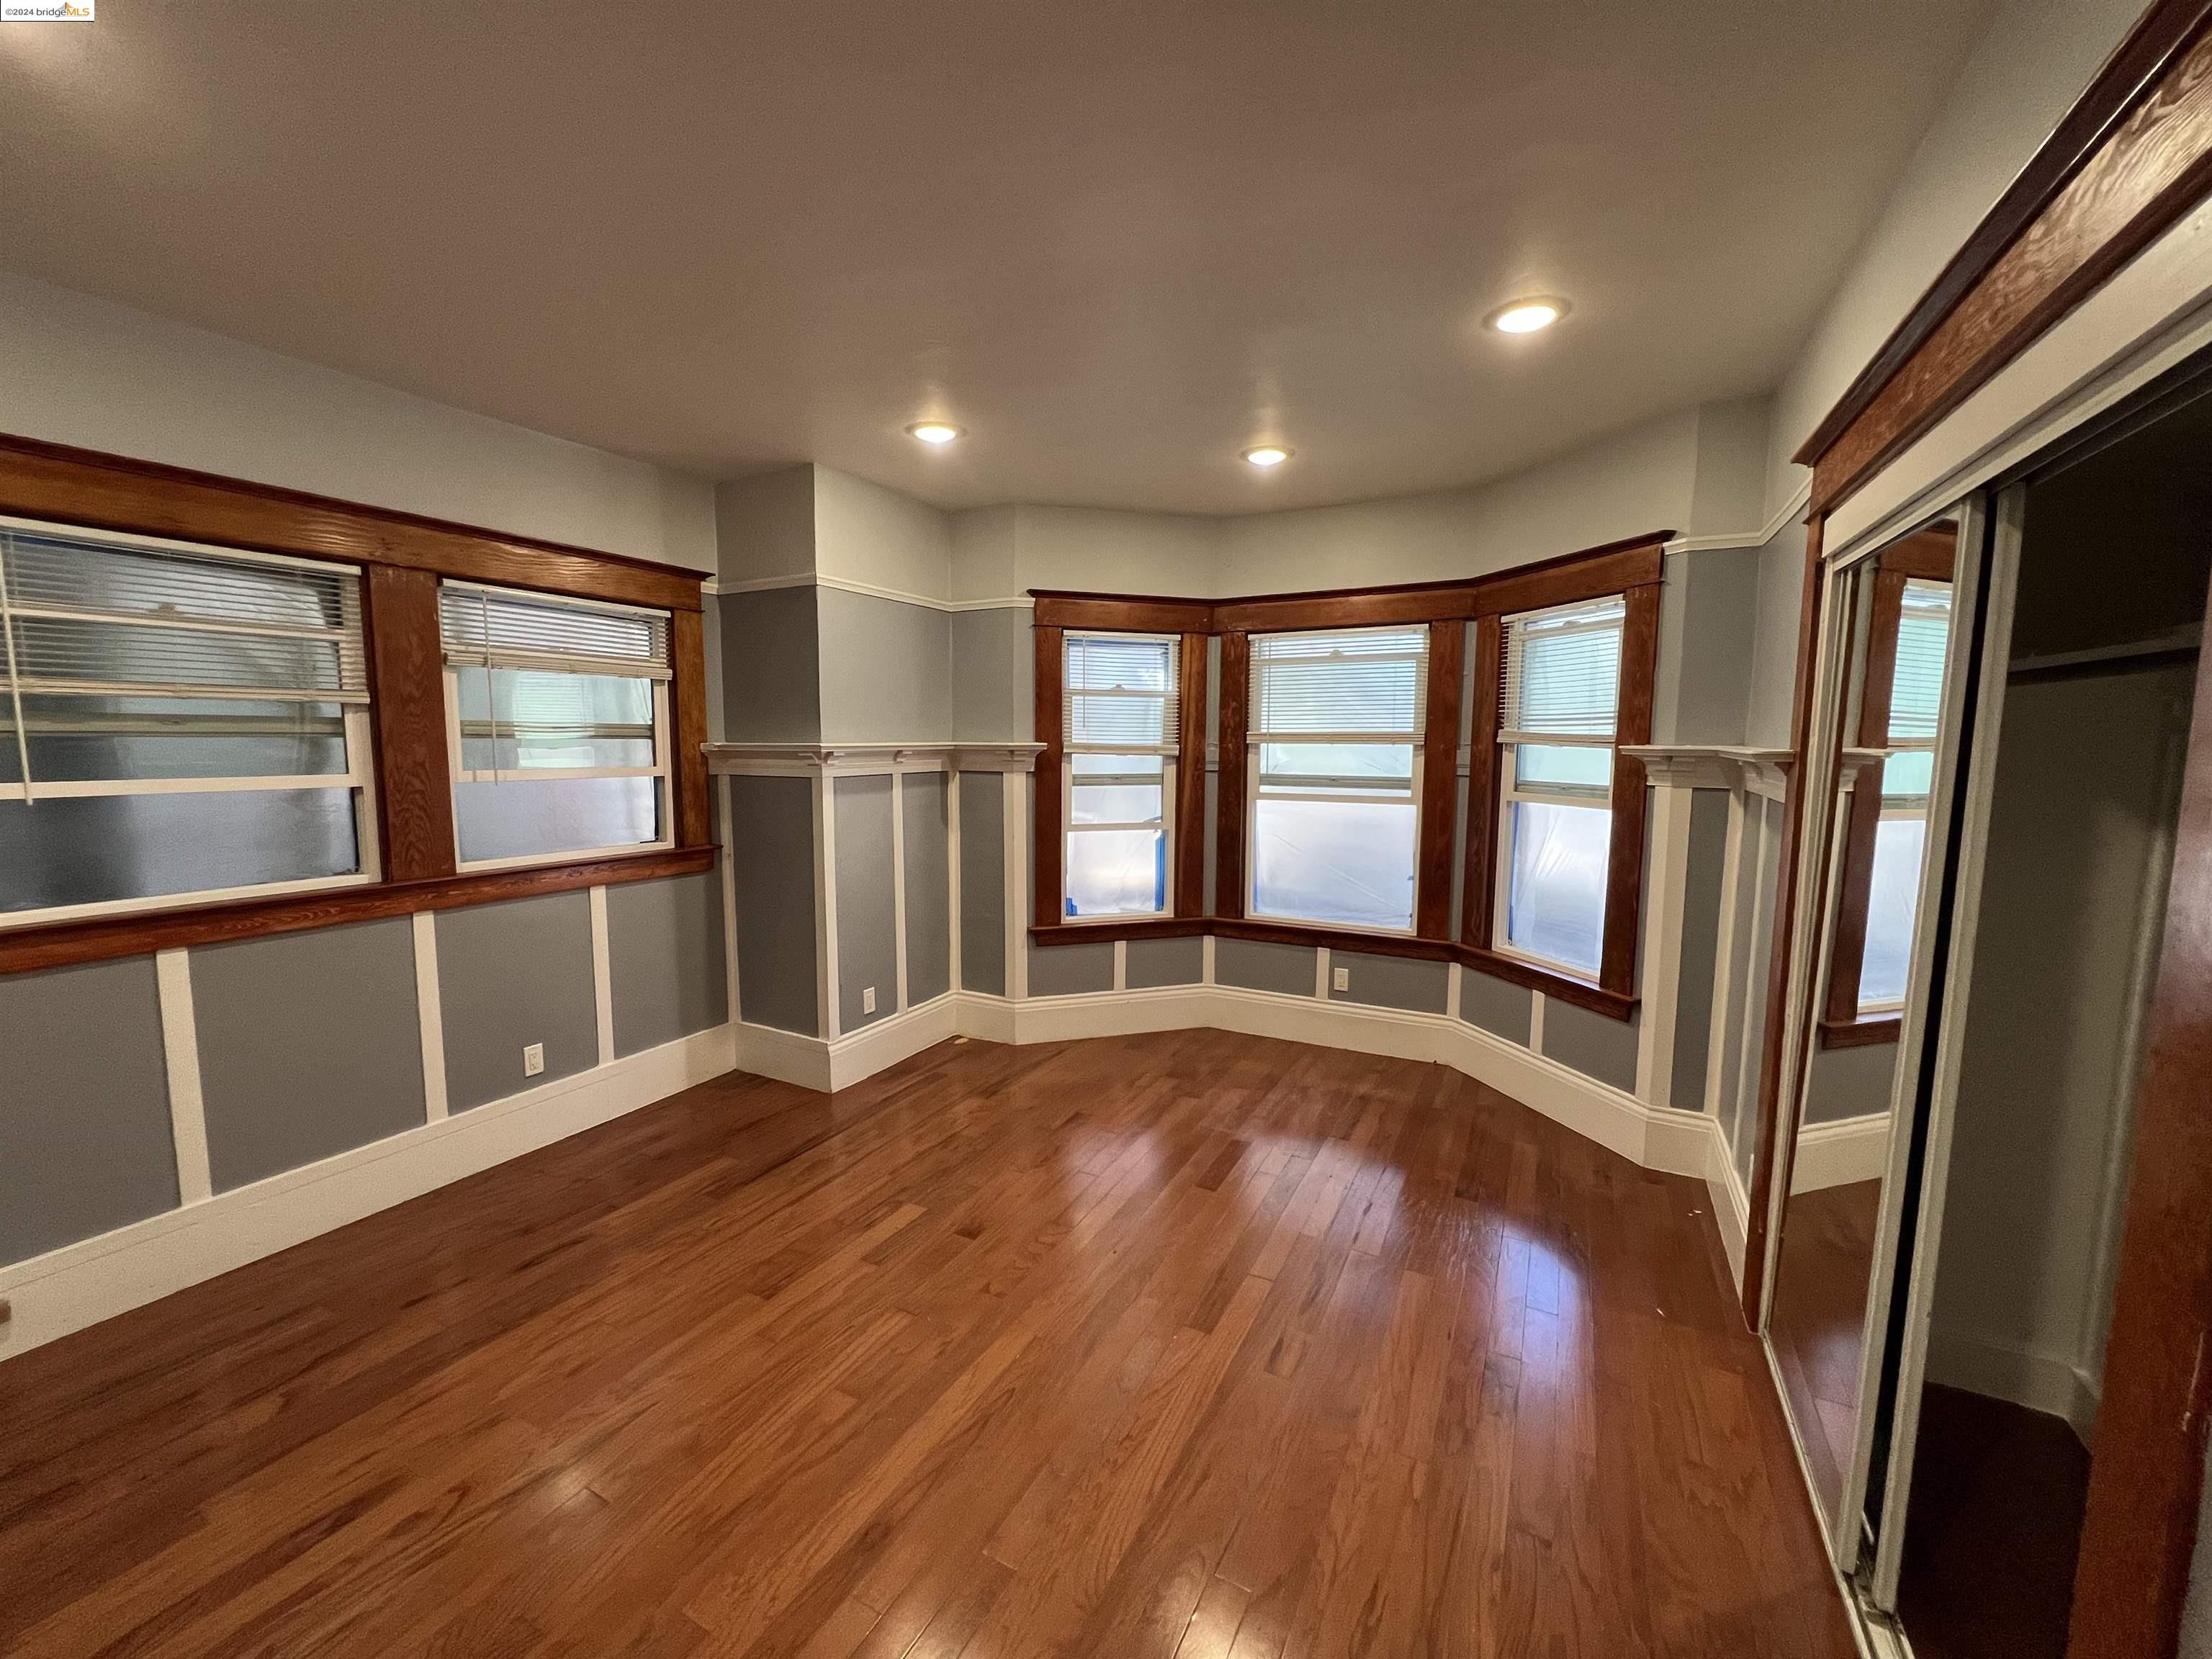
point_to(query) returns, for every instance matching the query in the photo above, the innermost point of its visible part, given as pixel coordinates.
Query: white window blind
(1562, 671)
(1123, 693)
(1924, 634)
(1361, 683)
(498, 628)
(87, 616)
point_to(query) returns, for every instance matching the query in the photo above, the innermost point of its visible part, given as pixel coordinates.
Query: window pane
(90, 739)
(1891, 898)
(1556, 909)
(1572, 766)
(91, 850)
(1909, 775)
(1117, 766)
(1132, 803)
(1288, 762)
(1348, 861)
(1563, 668)
(553, 722)
(1117, 873)
(522, 818)
(1354, 679)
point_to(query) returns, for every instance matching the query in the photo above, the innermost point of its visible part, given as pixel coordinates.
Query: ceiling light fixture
(1527, 316)
(934, 432)
(1267, 455)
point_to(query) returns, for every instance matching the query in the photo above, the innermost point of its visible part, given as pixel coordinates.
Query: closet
(2001, 723)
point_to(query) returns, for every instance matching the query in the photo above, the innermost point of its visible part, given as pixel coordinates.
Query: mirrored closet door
(2003, 711)
(1880, 793)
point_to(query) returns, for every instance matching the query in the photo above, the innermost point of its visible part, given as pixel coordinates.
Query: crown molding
(844, 584)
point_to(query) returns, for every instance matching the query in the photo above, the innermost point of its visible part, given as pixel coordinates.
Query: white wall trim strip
(603, 976)
(180, 1051)
(430, 1015)
(82, 1283)
(1800, 499)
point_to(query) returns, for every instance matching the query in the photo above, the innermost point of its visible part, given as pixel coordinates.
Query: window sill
(1564, 987)
(64, 943)
(1869, 1033)
(1107, 929)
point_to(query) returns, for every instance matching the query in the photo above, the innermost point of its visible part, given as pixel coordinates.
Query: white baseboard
(1837, 1154)
(82, 1283)
(859, 1054)
(2041, 1381)
(1731, 1208)
(787, 1057)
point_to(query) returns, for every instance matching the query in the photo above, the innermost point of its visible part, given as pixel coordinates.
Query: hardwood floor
(1819, 1320)
(1186, 1344)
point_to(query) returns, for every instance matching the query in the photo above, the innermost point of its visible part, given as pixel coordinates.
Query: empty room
(858, 830)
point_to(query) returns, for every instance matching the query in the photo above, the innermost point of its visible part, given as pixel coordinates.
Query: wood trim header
(2135, 65)
(2133, 154)
(41, 480)
(1608, 567)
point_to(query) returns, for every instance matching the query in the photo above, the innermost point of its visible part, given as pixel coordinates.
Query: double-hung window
(1557, 712)
(556, 725)
(176, 720)
(1916, 708)
(1121, 714)
(1334, 774)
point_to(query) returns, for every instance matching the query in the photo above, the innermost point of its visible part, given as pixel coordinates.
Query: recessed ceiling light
(1527, 316)
(934, 432)
(1266, 455)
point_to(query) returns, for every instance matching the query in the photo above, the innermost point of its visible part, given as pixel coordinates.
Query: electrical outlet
(1340, 980)
(868, 1000)
(533, 1058)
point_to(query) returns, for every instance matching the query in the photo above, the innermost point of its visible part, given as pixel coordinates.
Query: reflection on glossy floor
(1994, 1524)
(1818, 1317)
(1183, 1344)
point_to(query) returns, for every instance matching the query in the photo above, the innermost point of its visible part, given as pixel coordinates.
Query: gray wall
(1258, 966)
(1497, 1005)
(993, 677)
(1846, 1083)
(1391, 981)
(929, 885)
(868, 939)
(1596, 1045)
(1773, 642)
(310, 1045)
(665, 962)
(1701, 926)
(1151, 961)
(771, 842)
(771, 666)
(85, 1144)
(1059, 970)
(983, 883)
(1709, 610)
(510, 974)
(886, 669)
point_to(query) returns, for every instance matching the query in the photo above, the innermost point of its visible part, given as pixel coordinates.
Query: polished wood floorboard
(1186, 1344)
(1993, 1527)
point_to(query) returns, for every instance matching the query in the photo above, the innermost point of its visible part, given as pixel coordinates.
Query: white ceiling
(1117, 241)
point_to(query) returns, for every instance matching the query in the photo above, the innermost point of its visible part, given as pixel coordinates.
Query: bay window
(1121, 719)
(1557, 724)
(1334, 773)
(556, 724)
(176, 720)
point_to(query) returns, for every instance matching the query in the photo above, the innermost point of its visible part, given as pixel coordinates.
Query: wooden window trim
(1633, 566)
(1870, 1032)
(1105, 613)
(1613, 992)
(66, 944)
(403, 558)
